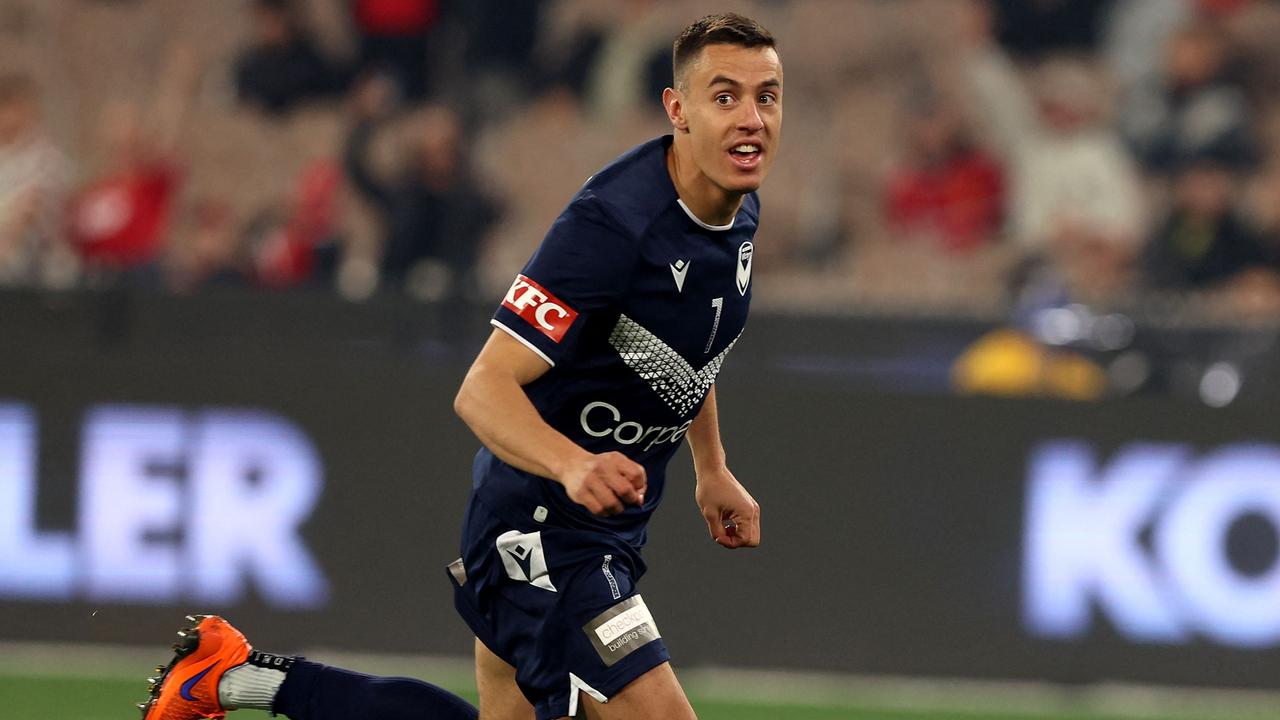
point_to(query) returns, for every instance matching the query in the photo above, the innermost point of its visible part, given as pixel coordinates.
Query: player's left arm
(719, 495)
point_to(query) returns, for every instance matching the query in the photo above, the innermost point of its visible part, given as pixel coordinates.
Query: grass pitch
(91, 682)
(73, 698)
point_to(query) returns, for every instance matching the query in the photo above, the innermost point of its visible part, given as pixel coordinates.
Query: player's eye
(724, 99)
(767, 99)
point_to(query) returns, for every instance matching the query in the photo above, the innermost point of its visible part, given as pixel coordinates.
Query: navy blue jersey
(635, 303)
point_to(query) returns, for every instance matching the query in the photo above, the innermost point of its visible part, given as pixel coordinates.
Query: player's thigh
(655, 694)
(500, 697)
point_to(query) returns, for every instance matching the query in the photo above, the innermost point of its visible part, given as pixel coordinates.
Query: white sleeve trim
(498, 324)
(705, 226)
(576, 685)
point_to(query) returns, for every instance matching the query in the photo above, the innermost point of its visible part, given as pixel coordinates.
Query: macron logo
(551, 316)
(524, 558)
(679, 269)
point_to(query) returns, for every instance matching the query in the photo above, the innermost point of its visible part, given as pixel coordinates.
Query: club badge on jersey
(538, 307)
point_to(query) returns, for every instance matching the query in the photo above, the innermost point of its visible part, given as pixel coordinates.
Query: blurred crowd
(1100, 153)
(937, 153)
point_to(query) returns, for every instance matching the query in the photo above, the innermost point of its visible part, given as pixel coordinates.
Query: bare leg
(500, 697)
(655, 694)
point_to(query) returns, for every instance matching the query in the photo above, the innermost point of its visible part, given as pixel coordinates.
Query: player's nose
(750, 120)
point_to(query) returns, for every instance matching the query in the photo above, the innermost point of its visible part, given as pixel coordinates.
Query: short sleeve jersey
(635, 303)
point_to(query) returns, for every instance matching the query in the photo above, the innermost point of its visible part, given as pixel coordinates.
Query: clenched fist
(605, 483)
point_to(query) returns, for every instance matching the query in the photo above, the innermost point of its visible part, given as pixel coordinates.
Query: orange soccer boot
(187, 688)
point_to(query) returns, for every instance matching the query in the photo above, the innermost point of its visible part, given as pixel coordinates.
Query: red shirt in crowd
(121, 220)
(960, 202)
(286, 256)
(395, 17)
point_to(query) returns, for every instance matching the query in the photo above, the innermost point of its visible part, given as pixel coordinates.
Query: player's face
(732, 111)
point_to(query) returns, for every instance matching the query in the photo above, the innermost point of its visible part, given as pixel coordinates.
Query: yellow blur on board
(1009, 363)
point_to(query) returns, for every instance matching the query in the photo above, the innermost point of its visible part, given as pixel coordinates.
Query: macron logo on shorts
(544, 311)
(524, 558)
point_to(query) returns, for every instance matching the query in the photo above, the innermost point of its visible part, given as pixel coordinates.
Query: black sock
(312, 691)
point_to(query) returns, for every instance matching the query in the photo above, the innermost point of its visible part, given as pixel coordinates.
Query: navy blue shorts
(558, 604)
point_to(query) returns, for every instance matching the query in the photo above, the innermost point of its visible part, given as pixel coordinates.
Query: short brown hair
(722, 29)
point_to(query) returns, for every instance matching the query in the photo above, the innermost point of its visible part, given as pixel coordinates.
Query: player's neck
(707, 201)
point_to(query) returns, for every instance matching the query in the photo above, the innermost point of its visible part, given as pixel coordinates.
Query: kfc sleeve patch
(538, 307)
(621, 630)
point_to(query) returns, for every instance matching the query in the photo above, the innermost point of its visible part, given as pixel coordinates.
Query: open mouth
(745, 155)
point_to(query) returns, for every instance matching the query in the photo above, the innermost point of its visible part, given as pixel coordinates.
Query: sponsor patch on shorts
(621, 630)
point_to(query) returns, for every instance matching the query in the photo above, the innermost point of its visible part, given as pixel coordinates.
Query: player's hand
(732, 515)
(605, 483)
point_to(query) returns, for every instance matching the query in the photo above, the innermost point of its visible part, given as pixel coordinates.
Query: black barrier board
(312, 490)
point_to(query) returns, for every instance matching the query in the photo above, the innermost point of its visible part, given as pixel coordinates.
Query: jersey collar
(705, 226)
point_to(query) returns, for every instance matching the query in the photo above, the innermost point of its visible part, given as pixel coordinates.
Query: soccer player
(602, 360)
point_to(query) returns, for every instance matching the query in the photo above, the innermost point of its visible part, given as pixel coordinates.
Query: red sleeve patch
(544, 311)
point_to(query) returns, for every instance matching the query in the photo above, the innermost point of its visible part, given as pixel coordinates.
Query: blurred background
(1006, 399)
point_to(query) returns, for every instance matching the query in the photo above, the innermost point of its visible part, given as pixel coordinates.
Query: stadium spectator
(1206, 242)
(1251, 28)
(119, 222)
(394, 40)
(1193, 107)
(1136, 34)
(34, 182)
(283, 66)
(946, 190)
(1032, 29)
(1070, 174)
(284, 245)
(632, 65)
(297, 244)
(567, 50)
(434, 214)
(498, 60)
(503, 33)
(211, 255)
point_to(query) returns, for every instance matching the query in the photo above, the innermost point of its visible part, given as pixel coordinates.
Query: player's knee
(655, 694)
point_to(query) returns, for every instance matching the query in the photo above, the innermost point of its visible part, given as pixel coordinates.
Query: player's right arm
(492, 402)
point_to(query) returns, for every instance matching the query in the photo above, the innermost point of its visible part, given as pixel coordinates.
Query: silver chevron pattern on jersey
(667, 372)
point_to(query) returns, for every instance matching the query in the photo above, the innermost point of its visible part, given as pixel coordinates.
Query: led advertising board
(311, 486)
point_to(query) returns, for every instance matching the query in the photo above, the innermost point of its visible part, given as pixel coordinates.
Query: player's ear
(674, 103)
